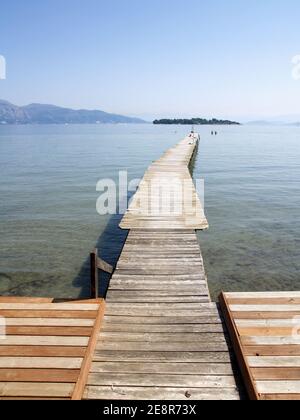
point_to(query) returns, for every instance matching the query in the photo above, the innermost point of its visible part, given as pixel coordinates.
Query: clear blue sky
(153, 57)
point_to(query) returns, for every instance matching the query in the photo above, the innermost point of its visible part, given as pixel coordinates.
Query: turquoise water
(49, 223)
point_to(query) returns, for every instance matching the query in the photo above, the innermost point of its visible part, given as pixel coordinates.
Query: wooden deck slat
(152, 380)
(38, 375)
(156, 393)
(42, 351)
(214, 369)
(25, 389)
(16, 340)
(42, 322)
(49, 331)
(40, 362)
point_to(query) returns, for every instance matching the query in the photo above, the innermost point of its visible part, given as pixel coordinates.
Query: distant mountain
(273, 123)
(259, 123)
(195, 121)
(50, 114)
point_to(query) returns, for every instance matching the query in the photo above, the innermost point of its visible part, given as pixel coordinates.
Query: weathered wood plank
(156, 393)
(276, 373)
(55, 322)
(49, 331)
(40, 362)
(195, 381)
(11, 313)
(161, 356)
(48, 307)
(278, 387)
(278, 361)
(161, 328)
(43, 341)
(160, 347)
(39, 375)
(162, 337)
(216, 369)
(165, 320)
(25, 389)
(41, 351)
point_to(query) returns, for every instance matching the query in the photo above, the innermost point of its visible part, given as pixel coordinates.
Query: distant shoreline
(194, 121)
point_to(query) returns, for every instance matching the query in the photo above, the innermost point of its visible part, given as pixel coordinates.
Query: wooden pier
(162, 337)
(158, 335)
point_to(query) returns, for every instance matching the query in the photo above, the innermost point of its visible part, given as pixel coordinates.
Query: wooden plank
(162, 299)
(270, 341)
(17, 299)
(266, 301)
(48, 322)
(214, 369)
(278, 387)
(48, 307)
(48, 314)
(160, 347)
(156, 393)
(270, 361)
(162, 337)
(152, 380)
(268, 332)
(25, 389)
(44, 341)
(265, 315)
(272, 350)
(162, 312)
(264, 308)
(163, 356)
(162, 320)
(42, 351)
(40, 362)
(49, 331)
(262, 295)
(102, 265)
(266, 323)
(276, 373)
(279, 397)
(159, 328)
(39, 375)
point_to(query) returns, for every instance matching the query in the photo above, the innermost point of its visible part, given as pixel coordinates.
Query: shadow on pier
(109, 245)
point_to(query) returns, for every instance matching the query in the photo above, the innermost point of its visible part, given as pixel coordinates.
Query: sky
(153, 58)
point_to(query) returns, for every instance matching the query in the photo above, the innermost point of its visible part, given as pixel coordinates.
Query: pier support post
(94, 275)
(97, 264)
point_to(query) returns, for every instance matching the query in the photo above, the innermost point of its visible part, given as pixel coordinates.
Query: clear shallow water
(49, 224)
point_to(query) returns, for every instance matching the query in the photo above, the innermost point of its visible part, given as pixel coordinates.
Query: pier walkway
(162, 337)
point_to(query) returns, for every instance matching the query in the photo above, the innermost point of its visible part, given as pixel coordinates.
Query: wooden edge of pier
(238, 348)
(265, 333)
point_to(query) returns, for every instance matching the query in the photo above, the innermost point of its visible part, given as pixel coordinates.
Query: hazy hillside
(50, 114)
